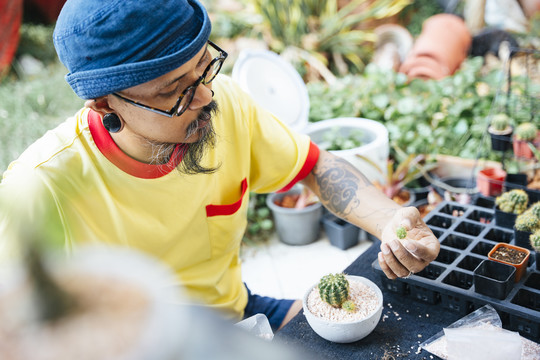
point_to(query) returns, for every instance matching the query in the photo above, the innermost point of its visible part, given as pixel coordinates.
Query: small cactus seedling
(500, 122)
(349, 306)
(513, 201)
(535, 240)
(401, 232)
(334, 289)
(526, 131)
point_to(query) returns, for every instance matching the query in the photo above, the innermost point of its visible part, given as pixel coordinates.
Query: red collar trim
(114, 154)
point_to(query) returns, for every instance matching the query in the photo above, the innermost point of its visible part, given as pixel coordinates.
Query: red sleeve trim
(229, 209)
(309, 164)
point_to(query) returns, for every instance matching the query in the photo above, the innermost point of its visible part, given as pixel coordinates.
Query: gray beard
(192, 156)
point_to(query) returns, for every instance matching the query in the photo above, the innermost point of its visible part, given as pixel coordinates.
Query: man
(165, 153)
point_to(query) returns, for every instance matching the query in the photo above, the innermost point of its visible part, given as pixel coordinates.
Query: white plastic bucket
(375, 138)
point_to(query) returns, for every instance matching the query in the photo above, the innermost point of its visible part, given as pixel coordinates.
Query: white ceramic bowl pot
(345, 328)
(374, 142)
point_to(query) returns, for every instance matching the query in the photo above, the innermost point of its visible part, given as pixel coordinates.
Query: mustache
(206, 114)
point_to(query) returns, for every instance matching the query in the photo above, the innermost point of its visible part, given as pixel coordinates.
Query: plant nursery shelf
(449, 281)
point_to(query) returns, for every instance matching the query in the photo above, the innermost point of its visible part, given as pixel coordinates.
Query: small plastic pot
(340, 233)
(494, 279)
(521, 268)
(501, 141)
(504, 219)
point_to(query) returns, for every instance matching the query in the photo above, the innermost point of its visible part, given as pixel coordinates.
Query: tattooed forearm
(339, 182)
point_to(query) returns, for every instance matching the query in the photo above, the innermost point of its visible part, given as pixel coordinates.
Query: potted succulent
(527, 223)
(508, 205)
(500, 131)
(297, 214)
(535, 244)
(343, 308)
(509, 254)
(525, 133)
(396, 177)
(340, 233)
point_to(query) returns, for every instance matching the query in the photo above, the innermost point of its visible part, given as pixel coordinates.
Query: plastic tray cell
(443, 222)
(481, 216)
(469, 228)
(424, 294)
(525, 326)
(453, 210)
(482, 248)
(446, 256)
(470, 262)
(431, 272)
(533, 281)
(456, 241)
(499, 235)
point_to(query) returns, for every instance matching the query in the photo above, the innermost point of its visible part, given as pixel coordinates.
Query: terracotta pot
(522, 149)
(490, 181)
(521, 268)
(444, 38)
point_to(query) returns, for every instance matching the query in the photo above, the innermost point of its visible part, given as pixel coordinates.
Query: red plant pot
(10, 21)
(490, 181)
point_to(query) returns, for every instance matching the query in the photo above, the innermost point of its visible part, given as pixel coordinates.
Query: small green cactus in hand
(500, 122)
(401, 232)
(514, 201)
(527, 221)
(334, 289)
(535, 240)
(526, 131)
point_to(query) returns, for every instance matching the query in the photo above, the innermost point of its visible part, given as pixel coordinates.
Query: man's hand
(401, 258)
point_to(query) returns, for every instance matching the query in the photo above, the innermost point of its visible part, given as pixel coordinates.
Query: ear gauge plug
(112, 123)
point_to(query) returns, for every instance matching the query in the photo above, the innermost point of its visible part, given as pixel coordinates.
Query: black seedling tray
(449, 280)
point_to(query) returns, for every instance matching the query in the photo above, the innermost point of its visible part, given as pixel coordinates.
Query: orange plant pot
(521, 268)
(521, 148)
(490, 181)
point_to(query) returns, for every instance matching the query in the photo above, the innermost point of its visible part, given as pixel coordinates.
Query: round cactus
(349, 306)
(500, 122)
(535, 209)
(527, 221)
(535, 240)
(526, 131)
(513, 201)
(334, 289)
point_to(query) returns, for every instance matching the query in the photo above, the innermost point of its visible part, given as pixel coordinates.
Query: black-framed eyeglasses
(186, 96)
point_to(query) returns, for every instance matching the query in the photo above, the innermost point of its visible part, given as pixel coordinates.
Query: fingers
(408, 217)
(398, 260)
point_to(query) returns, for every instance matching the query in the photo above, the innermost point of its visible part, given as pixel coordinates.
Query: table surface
(404, 325)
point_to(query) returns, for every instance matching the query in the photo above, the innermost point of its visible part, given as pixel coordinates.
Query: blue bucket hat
(110, 45)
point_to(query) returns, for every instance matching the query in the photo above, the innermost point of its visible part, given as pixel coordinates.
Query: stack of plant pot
(440, 48)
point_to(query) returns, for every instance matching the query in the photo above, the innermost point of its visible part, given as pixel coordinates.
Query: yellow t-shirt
(81, 184)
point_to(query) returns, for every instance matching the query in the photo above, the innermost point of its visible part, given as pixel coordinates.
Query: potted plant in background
(500, 131)
(508, 205)
(297, 214)
(516, 256)
(340, 233)
(397, 177)
(343, 308)
(527, 223)
(525, 133)
(535, 244)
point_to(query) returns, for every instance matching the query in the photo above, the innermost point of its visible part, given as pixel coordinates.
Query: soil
(402, 197)
(509, 255)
